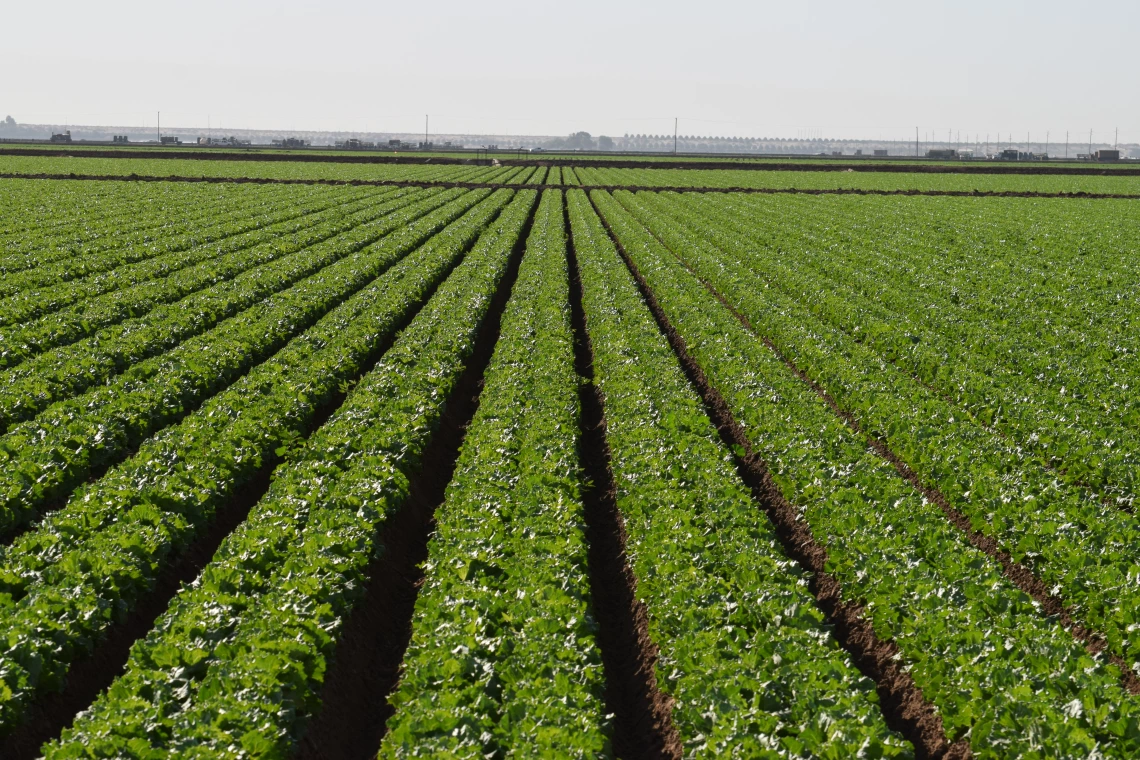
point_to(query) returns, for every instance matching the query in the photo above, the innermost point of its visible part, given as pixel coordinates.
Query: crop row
(31, 387)
(235, 665)
(43, 207)
(40, 268)
(1001, 674)
(1086, 551)
(51, 220)
(812, 180)
(134, 265)
(160, 167)
(85, 566)
(1042, 347)
(69, 312)
(503, 657)
(46, 458)
(744, 651)
(131, 218)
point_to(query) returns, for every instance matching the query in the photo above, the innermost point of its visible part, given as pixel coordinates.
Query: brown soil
(97, 472)
(1021, 576)
(904, 706)
(365, 668)
(897, 166)
(643, 727)
(50, 713)
(607, 188)
(213, 154)
(887, 168)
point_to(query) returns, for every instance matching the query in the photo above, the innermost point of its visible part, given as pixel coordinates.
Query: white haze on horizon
(832, 69)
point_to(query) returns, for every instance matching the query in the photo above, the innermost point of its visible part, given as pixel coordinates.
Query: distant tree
(605, 143)
(576, 141)
(580, 141)
(10, 122)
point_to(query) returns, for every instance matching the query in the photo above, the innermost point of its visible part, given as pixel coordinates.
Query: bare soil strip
(904, 706)
(608, 188)
(898, 165)
(1051, 605)
(50, 713)
(213, 154)
(365, 668)
(643, 727)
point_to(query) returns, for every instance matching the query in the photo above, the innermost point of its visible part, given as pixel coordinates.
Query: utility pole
(1116, 140)
(158, 128)
(1090, 142)
(1046, 144)
(916, 142)
(1066, 144)
(674, 135)
(425, 131)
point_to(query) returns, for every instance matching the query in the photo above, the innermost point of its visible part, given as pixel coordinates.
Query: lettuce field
(553, 459)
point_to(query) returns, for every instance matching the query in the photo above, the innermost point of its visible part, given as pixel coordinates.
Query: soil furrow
(188, 407)
(904, 706)
(51, 712)
(608, 188)
(643, 726)
(365, 669)
(1051, 605)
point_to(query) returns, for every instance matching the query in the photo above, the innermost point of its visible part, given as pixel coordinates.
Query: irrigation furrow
(76, 439)
(1051, 605)
(74, 311)
(904, 706)
(31, 387)
(365, 668)
(327, 385)
(643, 727)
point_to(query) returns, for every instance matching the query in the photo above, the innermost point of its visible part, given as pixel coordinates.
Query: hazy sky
(854, 69)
